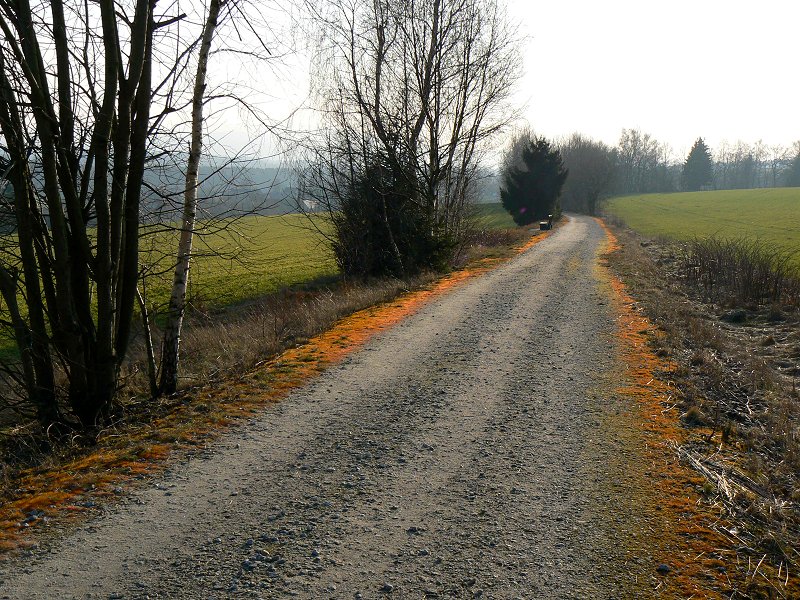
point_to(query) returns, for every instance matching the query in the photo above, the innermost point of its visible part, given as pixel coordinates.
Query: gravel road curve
(471, 451)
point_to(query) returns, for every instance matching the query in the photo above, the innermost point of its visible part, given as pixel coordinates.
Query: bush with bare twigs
(741, 272)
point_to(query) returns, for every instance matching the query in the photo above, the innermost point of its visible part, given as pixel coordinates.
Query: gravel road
(474, 450)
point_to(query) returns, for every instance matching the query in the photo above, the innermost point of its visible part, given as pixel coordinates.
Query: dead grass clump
(614, 220)
(493, 238)
(698, 358)
(728, 432)
(694, 417)
(247, 335)
(704, 333)
(742, 272)
(490, 243)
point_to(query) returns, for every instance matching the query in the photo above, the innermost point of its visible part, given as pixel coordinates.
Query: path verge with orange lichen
(699, 547)
(48, 497)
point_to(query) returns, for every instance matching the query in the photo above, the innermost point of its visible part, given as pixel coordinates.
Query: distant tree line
(743, 166)
(640, 164)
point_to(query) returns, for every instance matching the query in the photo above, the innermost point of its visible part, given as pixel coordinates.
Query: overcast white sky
(678, 69)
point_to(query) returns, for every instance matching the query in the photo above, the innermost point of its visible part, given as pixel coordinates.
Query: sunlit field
(247, 259)
(771, 216)
(259, 255)
(493, 216)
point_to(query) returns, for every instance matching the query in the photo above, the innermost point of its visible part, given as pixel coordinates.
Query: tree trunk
(42, 397)
(32, 339)
(177, 301)
(398, 257)
(148, 344)
(75, 274)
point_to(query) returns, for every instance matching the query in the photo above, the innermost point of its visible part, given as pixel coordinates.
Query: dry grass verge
(737, 407)
(311, 328)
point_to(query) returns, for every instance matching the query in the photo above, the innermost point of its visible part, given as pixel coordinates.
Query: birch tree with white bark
(177, 302)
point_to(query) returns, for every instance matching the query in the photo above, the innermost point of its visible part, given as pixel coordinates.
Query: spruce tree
(532, 186)
(698, 170)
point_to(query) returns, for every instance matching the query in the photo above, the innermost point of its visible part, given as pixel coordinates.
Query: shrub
(383, 228)
(742, 272)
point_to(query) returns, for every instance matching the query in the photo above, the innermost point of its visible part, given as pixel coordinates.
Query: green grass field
(771, 216)
(254, 256)
(251, 258)
(271, 252)
(493, 216)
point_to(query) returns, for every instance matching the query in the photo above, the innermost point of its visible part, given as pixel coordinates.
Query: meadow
(771, 216)
(247, 258)
(492, 216)
(234, 262)
(259, 255)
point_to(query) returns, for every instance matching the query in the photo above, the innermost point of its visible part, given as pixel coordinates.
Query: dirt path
(469, 452)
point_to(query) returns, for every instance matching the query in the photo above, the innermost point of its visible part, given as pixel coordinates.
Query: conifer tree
(698, 170)
(532, 185)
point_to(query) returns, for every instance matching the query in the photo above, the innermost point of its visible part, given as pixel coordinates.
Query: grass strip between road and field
(699, 548)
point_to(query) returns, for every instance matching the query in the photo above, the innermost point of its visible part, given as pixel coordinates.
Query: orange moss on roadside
(65, 491)
(704, 562)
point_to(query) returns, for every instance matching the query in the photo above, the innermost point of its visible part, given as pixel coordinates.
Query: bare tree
(736, 165)
(592, 173)
(779, 157)
(234, 14)
(177, 302)
(75, 104)
(643, 164)
(791, 177)
(761, 171)
(722, 165)
(519, 138)
(411, 93)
